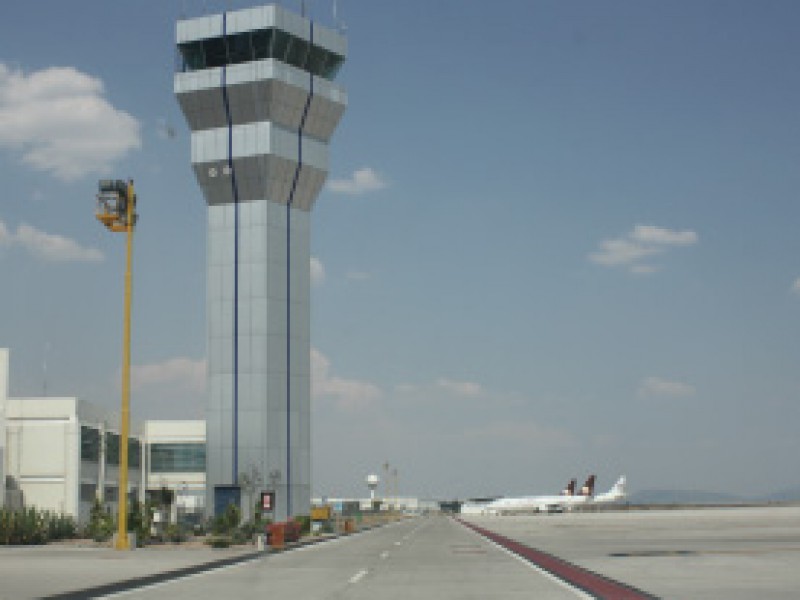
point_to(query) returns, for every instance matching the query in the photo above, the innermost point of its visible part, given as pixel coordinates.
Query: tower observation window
(259, 45)
(298, 52)
(240, 48)
(280, 46)
(216, 52)
(262, 43)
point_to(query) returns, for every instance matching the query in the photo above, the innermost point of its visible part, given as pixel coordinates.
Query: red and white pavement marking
(593, 584)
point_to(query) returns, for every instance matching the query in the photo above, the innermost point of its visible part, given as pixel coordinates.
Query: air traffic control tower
(256, 87)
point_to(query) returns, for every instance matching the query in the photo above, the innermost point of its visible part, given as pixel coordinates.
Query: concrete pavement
(732, 553)
(39, 571)
(686, 554)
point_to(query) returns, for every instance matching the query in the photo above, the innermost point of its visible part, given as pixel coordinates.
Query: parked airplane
(565, 501)
(484, 507)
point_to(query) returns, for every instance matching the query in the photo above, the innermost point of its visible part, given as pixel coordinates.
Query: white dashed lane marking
(357, 577)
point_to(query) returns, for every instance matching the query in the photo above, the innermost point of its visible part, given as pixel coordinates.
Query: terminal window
(112, 448)
(178, 458)
(88, 492)
(134, 453)
(90, 444)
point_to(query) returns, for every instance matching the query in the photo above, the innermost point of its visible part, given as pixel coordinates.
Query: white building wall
(189, 487)
(43, 452)
(43, 457)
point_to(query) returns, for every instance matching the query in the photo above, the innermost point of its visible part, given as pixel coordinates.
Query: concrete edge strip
(148, 580)
(594, 584)
(136, 583)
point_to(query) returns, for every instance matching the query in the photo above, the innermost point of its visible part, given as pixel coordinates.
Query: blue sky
(558, 237)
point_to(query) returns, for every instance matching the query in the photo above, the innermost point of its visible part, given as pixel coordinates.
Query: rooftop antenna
(336, 22)
(44, 369)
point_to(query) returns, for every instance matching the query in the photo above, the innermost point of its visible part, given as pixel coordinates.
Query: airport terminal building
(60, 453)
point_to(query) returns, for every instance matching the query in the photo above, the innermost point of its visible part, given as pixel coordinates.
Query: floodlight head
(113, 186)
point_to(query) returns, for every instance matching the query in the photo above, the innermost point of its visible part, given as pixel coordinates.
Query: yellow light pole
(116, 209)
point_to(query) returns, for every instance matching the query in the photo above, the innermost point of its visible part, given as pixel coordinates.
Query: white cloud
(59, 121)
(644, 241)
(459, 388)
(655, 386)
(5, 236)
(406, 388)
(54, 247)
(643, 269)
(317, 271)
(795, 285)
(621, 252)
(183, 373)
(363, 180)
(48, 246)
(350, 394)
(650, 234)
(357, 275)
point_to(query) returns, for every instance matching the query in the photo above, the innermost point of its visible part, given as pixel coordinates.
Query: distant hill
(790, 495)
(703, 497)
(682, 497)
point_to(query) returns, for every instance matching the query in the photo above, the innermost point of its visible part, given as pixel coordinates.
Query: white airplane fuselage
(534, 504)
(553, 503)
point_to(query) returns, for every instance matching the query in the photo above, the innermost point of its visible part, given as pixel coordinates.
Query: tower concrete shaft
(256, 89)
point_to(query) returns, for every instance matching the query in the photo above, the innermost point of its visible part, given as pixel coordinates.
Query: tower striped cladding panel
(256, 88)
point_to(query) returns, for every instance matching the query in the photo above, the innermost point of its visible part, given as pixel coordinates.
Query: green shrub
(102, 523)
(218, 541)
(31, 526)
(140, 518)
(239, 537)
(227, 522)
(232, 516)
(218, 525)
(305, 524)
(175, 534)
(60, 527)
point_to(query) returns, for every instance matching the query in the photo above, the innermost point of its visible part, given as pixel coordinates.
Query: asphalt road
(432, 557)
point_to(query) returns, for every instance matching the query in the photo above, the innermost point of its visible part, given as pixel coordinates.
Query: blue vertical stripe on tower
(235, 190)
(289, 203)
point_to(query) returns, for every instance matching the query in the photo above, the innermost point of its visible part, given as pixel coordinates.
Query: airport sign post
(267, 501)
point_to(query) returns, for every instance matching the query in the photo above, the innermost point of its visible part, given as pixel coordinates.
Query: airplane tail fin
(570, 489)
(588, 487)
(619, 489)
(617, 492)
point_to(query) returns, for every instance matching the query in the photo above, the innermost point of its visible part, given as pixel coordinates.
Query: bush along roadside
(31, 526)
